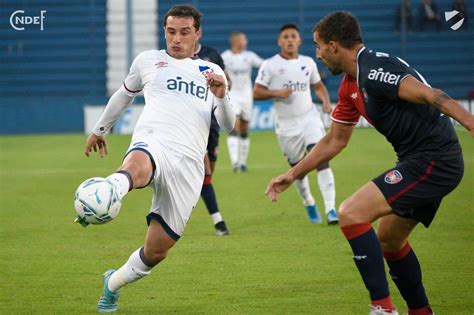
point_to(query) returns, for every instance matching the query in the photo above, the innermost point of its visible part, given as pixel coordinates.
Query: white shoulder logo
(380, 75)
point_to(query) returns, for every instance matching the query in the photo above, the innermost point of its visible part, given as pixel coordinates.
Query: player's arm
(116, 105)
(414, 91)
(263, 81)
(261, 92)
(321, 91)
(224, 112)
(256, 60)
(132, 85)
(326, 149)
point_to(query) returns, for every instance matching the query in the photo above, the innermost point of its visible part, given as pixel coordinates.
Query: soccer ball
(96, 201)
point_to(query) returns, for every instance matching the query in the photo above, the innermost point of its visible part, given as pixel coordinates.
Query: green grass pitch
(275, 261)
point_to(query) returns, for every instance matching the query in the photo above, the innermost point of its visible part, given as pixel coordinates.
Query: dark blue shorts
(415, 187)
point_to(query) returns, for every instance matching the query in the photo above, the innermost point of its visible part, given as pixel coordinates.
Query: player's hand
(327, 108)
(278, 185)
(95, 142)
(217, 84)
(283, 93)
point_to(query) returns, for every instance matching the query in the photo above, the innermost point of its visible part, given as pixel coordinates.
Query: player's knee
(346, 214)
(389, 242)
(244, 134)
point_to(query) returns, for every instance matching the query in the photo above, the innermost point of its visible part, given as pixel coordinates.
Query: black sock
(405, 271)
(209, 196)
(368, 258)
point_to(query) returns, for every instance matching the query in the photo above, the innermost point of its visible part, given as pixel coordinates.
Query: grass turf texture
(275, 261)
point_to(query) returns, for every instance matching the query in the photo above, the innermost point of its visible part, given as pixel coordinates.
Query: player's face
(181, 36)
(240, 42)
(289, 41)
(325, 53)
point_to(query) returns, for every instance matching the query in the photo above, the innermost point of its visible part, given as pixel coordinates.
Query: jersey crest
(305, 70)
(205, 70)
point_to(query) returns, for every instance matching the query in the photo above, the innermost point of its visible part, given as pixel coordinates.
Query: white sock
(133, 270)
(302, 185)
(233, 145)
(216, 217)
(244, 150)
(121, 182)
(327, 188)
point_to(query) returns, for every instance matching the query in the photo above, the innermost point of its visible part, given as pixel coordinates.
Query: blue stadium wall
(47, 76)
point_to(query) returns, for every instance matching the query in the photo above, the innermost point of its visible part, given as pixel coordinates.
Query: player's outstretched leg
(302, 185)
(328, 191)
(209, 197)
(135, 268)
(138, 265)
(233, 146)
(108, 299)
(136, 171)
(122, 181)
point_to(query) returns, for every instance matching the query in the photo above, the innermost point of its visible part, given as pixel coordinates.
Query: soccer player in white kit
(288, 78)
(239, 63)
(169, 141)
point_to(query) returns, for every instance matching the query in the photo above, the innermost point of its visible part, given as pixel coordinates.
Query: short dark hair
(184, 10)
(235, 34)
(341, 27)
(288, 26)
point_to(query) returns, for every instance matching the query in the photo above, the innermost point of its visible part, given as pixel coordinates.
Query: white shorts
(294, 147)
(176, 183)
(243, 109)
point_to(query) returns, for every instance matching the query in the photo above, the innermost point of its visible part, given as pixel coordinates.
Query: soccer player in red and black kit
(207, 192)
(413, 117)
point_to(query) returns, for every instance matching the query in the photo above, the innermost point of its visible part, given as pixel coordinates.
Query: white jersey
(298, 75)
(239, 68)
(178, 102)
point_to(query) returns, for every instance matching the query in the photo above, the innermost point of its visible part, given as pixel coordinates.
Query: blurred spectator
(429, 14)
(408, 15)
(460, 6)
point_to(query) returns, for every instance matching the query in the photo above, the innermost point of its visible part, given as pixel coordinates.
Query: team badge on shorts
(393, 177)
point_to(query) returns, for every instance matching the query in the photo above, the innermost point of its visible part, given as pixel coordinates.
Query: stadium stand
(444, 58)
(47, 76)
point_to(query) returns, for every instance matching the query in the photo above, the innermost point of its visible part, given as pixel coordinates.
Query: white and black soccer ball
(97, 201)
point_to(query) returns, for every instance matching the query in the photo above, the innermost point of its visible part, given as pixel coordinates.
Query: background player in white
(288, 78)
(239, 63)
(169, 141)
